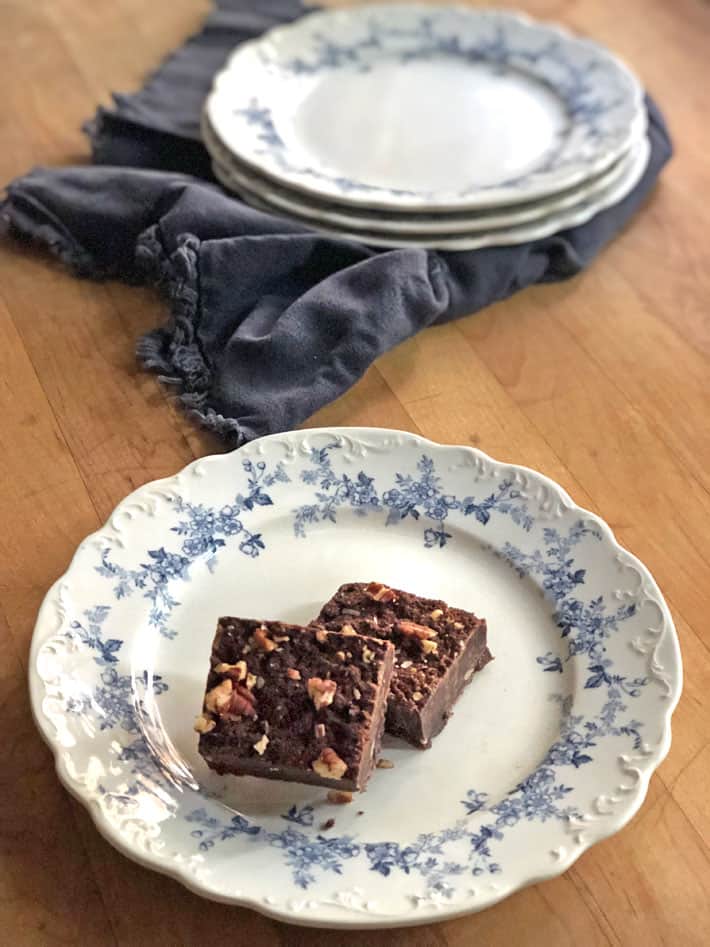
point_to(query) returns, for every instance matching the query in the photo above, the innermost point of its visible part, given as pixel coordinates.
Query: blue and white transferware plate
(424, 108)
(550, 748)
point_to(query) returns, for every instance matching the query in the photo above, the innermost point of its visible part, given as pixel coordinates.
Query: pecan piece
(412, 630)
(236, 671)
(242, 702)
(204, 724)
(293, 674)
(329, 764)
(261, 744)
(380, 592)
(230, 698)
(321, 692)
(219, 698)
(261, 640)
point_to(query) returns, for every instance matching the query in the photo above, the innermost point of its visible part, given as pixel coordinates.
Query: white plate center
(502, 726)
(438, 124)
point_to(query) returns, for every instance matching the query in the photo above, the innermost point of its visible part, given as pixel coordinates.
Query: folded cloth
(159, 126)
(269, 320)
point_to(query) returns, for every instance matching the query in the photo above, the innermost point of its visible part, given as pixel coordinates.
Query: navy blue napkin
(268, 320)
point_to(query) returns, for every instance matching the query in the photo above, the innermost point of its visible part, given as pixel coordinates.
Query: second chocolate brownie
(437, 651)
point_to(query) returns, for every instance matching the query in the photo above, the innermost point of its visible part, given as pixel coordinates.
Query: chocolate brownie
(293, 703)
(438, 649)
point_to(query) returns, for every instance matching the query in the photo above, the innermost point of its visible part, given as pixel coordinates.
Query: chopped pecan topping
(293, 674)
(405, 664)
(380, 592)
(219, 698)
(417, 696)
(429, 647)
(347, 630)
(261, 640)
(236, 671)
(242, 702)
(321, 635)
(412, 630)
(329, 764)
(321, 692)
(458, 625)
(261, 744)
(367, 656)
(251, 681)
(228, 698)
(436, 614)
(204, 724)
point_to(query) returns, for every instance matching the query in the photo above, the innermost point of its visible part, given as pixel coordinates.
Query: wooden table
(603, 383)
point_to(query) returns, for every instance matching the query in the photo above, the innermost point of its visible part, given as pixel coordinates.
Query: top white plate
(425, 108)
(549, 750)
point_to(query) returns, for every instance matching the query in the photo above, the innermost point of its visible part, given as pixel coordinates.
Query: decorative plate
(354, 218)
(574, 216)
(422, 108)
(550, 748)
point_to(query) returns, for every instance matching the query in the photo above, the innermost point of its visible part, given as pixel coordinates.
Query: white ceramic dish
(505, 236)
(550, 748)
(292, 202)
(417, 107)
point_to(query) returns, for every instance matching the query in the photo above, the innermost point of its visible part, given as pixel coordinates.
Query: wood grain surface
(602, 383)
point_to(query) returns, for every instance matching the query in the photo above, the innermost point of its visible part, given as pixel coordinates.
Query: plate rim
(289, 201)
(492, 197)
(557, 222)
(425, 914)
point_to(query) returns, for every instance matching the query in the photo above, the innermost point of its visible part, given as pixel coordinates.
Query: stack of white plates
(427, 126)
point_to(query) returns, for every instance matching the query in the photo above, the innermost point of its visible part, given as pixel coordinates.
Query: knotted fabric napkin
(268, 320)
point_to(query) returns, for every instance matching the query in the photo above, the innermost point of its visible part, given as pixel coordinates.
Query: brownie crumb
(385, 764)
(339, 798)
(328, 824)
